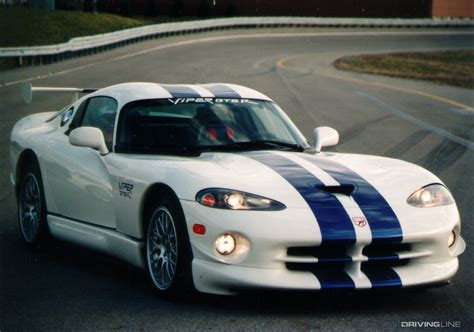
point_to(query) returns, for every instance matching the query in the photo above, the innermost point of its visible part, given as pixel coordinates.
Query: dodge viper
(211, 187)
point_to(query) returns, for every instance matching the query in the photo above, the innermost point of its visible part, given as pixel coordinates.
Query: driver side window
(100, 112)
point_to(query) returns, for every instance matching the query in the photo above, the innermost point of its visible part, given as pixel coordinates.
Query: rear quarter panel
(29, 133)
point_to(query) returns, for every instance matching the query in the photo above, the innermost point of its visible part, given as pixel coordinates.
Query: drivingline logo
(433, 324)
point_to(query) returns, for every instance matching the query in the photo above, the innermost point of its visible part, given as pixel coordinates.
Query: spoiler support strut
(27, 91)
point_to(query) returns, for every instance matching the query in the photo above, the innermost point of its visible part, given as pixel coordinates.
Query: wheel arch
(153, 194)
(27, 157)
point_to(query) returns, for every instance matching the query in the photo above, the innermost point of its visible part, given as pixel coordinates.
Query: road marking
(395, 111)
(282, 65)
(232, 37)
(50, 74)
(257, 64)
(412, 91)
(463, 111)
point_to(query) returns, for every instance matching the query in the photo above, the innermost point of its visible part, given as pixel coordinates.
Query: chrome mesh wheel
(162, 248)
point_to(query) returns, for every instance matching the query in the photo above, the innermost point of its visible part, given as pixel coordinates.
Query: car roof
(128, 92)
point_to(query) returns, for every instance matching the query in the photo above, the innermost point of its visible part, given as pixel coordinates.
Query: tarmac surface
(68, 287)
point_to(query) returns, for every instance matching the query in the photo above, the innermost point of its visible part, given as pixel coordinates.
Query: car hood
(284, 176)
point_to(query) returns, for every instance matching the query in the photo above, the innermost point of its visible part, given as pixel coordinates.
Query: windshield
(204, 124)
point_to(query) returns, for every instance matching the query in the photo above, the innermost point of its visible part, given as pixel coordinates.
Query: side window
(67, 116)
(100, 112)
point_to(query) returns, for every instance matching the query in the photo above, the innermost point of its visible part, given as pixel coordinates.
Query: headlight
(236, 200)
(451, 239)
(432, 195)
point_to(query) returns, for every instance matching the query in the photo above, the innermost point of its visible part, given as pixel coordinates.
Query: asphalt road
(67, 287)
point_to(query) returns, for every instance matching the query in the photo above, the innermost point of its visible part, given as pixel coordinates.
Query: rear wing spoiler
(27, 91)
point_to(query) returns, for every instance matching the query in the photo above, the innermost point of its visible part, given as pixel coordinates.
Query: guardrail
(98, 43)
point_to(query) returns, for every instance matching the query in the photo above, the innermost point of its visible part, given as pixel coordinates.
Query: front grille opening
(381, 265)
(325, 267)
(323, 251)
(329, 275)
(385, 250)
(333, 258)
(333, 262)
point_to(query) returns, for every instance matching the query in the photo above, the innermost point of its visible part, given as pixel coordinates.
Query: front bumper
(218, 278)
(283, 252)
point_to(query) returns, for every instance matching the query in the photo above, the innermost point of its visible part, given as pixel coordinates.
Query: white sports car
(212, 187)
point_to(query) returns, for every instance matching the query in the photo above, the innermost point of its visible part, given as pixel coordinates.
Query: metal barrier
(98, 43)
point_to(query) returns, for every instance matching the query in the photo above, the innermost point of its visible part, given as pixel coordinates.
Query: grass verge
(29, 27)
(442, 67)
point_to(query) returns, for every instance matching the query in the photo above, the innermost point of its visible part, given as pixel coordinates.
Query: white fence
(97, 43)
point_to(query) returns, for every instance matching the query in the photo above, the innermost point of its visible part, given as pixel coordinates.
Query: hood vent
(344, 189)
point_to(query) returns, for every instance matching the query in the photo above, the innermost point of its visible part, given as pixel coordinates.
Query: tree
(203, 10)
(177, 8)
(88, 6)
(151, 8)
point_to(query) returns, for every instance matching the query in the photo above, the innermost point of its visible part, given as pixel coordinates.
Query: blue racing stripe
(392, 257)
(222, 91)
(382, 277)
(334, 279)
(334, 222)
(383, 222)
(178, 91)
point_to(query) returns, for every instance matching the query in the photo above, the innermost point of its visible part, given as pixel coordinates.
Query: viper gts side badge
(126, 189)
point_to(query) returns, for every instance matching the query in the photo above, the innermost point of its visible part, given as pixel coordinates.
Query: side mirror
(324, 136)
(89, 137)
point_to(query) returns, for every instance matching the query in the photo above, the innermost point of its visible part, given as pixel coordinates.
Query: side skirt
(98, 238)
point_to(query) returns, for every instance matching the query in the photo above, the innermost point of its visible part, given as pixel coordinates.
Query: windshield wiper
(250, 145)
(273, 143)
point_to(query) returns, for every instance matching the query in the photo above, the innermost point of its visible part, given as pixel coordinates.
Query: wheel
(168, 253)
(32, 208)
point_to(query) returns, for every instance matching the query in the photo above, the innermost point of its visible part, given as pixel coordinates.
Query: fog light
(452, 239)
(225, 244)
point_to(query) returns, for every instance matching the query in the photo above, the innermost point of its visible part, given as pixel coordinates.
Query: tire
(168, 253)
(32, 211)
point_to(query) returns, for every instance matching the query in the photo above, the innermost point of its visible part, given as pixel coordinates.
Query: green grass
(29, 27)
(442, 67)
